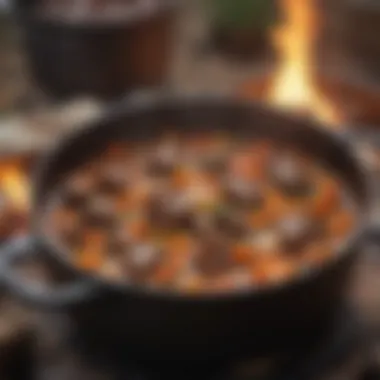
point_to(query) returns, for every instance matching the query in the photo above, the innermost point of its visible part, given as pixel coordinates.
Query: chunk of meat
(138, 227)
(163, 160)
(214, 159)
(214, 163)
(141, 261)
(213, 256)
(243, 193)
(291, 175)
(296, 231)
(77, 189)
(67, 225)
(231, 223)
(120, 240)
(171, 211)
(114, 178)
(100, 211)
(179, 249)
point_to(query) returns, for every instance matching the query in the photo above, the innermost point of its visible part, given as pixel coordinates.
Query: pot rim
(137, 15)
(137, 105)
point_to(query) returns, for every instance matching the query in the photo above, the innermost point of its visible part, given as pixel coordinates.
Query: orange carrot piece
(242, 254)
(341, 223)
(327, 198)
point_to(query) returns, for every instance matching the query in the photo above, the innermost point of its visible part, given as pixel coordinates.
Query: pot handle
(36, 294)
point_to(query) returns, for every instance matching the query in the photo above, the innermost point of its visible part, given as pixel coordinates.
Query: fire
(15, 185)
(293, 87)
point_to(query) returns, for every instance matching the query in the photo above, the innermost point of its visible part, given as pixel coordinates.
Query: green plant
(242, 14)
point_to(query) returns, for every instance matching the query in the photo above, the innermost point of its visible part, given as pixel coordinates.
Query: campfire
(293, 86)
(15, 185)
(14, 198)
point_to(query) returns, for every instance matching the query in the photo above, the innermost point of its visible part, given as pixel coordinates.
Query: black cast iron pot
(105, 58)
(162, 325)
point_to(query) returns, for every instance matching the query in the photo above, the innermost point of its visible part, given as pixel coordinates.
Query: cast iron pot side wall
(101, 60)
(193, 330)
(161, 325)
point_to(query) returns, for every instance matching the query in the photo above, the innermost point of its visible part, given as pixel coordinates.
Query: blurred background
(62, 63)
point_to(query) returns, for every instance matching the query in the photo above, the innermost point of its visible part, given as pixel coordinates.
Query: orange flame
(293, 86)
(15, 185)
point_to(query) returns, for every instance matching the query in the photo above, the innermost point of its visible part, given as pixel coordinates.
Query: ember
(15, 185)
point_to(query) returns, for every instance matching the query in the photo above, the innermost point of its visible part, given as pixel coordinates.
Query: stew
(200, 213)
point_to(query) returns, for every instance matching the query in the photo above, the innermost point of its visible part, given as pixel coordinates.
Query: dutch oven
(163, 325)
(105, 58)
